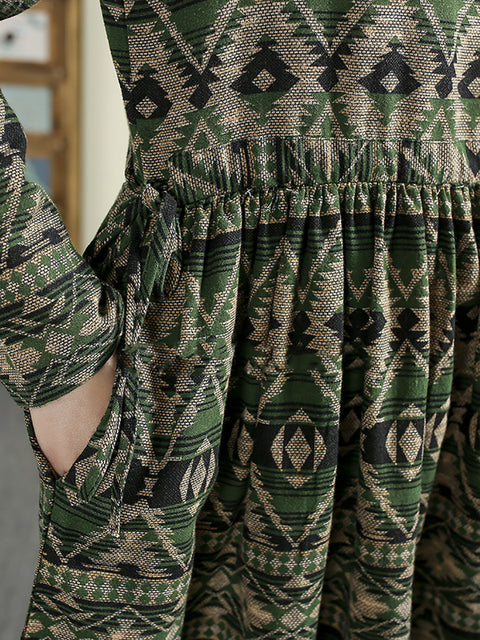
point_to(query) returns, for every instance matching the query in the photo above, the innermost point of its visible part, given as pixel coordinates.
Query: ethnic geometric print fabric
(292, 446)
(10, 8)
(58, 322)
(213, 90)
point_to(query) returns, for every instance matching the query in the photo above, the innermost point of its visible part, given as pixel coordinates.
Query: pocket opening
(104, 444)
(90, 466)
(134, 274)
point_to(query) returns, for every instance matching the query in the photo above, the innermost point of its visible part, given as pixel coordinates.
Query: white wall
(104, 125)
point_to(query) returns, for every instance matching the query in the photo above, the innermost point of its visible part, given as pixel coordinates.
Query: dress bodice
(226, 96)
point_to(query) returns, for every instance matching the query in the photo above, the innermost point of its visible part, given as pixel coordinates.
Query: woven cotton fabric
(292, 446)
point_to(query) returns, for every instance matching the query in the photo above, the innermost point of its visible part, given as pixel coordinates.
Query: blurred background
(54, 57)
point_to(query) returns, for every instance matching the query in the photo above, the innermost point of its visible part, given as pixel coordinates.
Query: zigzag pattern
(292, 447)
(366, 72)
(52, 304)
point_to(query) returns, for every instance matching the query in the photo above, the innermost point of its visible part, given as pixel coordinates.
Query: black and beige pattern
(292, 446)
(58, 322)
(10, 8)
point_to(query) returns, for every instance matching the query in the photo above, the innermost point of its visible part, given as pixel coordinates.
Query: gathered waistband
(296, 162)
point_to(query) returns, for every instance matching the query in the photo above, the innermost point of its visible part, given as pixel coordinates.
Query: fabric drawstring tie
(147, 264)
(133, 268)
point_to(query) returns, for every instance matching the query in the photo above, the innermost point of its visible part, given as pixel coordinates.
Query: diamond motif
(411, 443)
(390, 82)
(264, 80)
(298, 449)
(392, 66)
(146, 107)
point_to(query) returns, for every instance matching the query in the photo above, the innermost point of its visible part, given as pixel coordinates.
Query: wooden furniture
(42, 70)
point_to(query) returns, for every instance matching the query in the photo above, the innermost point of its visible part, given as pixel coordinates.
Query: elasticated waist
(293, 162)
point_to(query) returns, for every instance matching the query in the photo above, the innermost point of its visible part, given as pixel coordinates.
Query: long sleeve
(12, 7)
(59, 323)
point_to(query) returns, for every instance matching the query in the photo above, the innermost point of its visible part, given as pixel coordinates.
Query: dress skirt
(292, 446)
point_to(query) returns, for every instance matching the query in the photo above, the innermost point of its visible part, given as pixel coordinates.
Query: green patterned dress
(290, 275)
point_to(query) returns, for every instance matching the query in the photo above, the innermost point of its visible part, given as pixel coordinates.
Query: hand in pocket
(64, 426)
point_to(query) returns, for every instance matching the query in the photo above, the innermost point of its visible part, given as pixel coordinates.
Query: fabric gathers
(290, 274)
